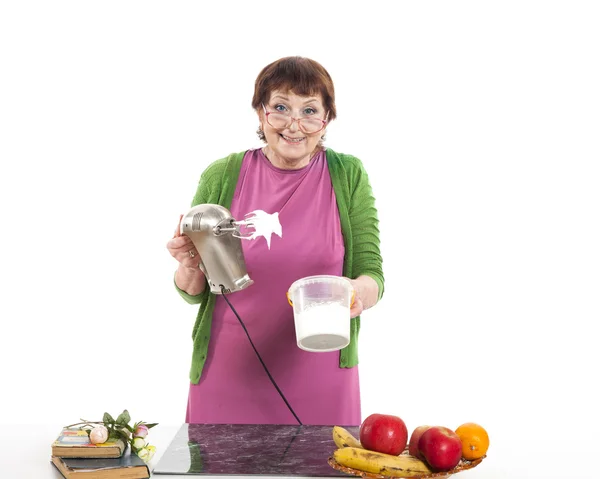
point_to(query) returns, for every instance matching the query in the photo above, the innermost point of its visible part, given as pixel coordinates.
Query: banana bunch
(351, 454)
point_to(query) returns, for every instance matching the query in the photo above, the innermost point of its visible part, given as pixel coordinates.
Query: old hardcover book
(73, 442)
(128, 466)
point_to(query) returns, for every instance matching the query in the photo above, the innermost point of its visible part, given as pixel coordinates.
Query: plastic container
(321, 312)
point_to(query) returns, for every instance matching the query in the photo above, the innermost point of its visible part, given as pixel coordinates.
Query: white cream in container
(322, 312)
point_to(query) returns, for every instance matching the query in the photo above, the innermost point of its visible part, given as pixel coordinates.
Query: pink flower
(98, 435)
(141, 431)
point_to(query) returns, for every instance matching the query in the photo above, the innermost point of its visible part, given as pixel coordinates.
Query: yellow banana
(378, 463)
(343, 438)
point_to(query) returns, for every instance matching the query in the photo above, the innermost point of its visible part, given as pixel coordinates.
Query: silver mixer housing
(215, 235)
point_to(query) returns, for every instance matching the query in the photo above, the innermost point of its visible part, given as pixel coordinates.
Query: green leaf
(107, 418)
(118, 433)
(151, 425)
(123, 418)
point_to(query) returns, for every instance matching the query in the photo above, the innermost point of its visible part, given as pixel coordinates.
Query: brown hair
(299, 75)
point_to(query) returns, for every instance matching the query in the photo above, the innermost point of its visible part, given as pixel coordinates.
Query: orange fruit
(475, 440)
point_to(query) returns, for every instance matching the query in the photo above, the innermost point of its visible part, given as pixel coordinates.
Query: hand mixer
(216, 235)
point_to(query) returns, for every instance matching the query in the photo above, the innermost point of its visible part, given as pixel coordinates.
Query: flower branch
(109, 428)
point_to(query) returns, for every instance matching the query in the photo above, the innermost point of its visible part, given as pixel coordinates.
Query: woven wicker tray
(463, 465)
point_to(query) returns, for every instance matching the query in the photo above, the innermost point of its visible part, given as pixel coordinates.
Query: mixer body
(216, 236)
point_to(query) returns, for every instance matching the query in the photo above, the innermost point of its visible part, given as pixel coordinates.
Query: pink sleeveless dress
(234, 388)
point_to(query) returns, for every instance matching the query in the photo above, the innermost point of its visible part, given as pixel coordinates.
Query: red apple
(383, 433)
(413, 443)
(441, 447)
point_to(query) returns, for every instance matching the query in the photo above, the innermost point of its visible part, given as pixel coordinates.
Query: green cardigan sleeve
(204, 191)
(365, 231)
(358, 216)
(360, 227)
(216, 185)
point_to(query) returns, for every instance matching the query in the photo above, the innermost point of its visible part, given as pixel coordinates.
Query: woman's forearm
(190, 280)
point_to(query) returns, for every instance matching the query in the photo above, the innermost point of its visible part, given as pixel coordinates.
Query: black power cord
(258, 355)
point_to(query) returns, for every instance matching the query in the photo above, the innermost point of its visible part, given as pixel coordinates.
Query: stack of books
(77, 458)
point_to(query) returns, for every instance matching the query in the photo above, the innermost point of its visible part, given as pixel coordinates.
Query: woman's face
(290, 147)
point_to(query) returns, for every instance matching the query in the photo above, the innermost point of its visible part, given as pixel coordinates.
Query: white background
(478, 123)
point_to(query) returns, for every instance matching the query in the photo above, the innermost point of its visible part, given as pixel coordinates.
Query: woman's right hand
(183, 250)
(188, 277)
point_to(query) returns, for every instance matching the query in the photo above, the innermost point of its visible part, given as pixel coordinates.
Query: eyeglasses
(308, 124)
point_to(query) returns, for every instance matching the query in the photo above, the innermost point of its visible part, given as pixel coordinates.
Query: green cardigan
(358, 218)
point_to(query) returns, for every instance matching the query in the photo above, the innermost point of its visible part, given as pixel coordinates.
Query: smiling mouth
(292, 140)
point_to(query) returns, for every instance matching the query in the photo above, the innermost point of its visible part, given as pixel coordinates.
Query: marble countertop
(265, 450)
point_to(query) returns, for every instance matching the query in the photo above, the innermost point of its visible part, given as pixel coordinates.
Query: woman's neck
(286, 164)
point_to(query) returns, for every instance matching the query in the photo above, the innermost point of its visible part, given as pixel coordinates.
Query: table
(25, 454)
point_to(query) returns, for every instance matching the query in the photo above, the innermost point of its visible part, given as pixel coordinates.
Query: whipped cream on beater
(263, 224)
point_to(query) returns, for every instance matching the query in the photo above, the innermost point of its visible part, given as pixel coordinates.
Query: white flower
(146, 453)
(151, 450)
(143, 454)
(138, 443)
(99, 434)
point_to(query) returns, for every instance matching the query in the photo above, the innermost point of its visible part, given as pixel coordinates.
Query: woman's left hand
(365, 294)
(357, 307)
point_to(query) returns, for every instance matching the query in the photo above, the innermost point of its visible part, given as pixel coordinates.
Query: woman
(329, 224)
